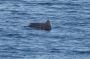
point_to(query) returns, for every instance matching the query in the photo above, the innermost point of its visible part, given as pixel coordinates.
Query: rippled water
(68, 39)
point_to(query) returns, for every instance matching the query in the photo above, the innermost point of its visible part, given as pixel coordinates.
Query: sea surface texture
(68, 39)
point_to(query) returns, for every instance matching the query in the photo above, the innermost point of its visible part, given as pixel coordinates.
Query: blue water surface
(68, 39)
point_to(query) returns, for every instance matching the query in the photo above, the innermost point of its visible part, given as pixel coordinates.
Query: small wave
(82, 52)
(18, 12)
(54, 50)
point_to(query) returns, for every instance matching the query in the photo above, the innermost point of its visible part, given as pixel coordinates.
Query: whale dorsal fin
(48, 21)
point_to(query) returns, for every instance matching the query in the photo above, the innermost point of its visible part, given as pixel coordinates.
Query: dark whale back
(42, 26)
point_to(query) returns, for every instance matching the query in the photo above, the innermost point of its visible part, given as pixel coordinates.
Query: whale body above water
(41, 26)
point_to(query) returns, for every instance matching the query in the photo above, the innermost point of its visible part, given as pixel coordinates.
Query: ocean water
(68, 39)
